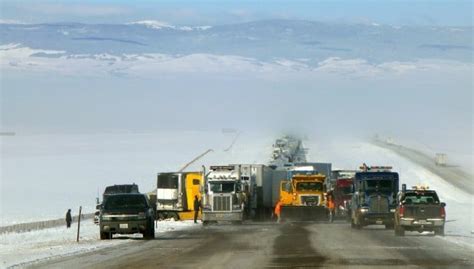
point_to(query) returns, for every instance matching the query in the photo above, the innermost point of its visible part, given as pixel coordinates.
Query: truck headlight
(392, 210)
(364, 210)
(236, 206)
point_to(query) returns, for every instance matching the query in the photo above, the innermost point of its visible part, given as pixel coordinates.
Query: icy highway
(270, 245)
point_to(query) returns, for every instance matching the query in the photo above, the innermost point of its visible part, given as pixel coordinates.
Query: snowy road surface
(270, 245)
(21, 249)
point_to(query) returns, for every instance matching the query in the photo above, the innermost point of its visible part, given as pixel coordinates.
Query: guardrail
(38, 225)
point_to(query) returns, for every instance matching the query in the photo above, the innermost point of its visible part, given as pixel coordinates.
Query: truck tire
(161, 216)
(150, 231)
(399, 230)
(175, 216)
(105, 235)
(439, 231)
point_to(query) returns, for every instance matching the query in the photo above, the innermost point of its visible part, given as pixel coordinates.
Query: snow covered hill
(288, 39)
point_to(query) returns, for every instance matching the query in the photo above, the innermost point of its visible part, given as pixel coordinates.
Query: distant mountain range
(303, 41)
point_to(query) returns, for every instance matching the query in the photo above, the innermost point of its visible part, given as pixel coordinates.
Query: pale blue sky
(213, 12)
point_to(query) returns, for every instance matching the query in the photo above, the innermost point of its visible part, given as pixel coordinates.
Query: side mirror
(443, 204)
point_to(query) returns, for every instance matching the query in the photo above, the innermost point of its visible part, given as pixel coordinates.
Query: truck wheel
(175, 216)
(439, 231)
(399, 230)
(150, 231)
(104, 235)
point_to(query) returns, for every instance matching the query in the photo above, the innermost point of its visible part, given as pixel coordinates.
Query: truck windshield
(378, 185)
(125, 202)
(221, 187)
(421, 198)
(126, 188)
(167, 181)
(309, 186)
(343, 190)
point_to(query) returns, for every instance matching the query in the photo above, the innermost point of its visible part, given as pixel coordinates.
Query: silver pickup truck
(419, 209)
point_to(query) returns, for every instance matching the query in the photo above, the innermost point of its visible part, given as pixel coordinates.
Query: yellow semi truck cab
(175, 194)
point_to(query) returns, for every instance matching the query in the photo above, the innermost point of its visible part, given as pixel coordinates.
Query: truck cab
(175, 194)
(224, 195)
(302, 195)
(419, 209)
(342, 192)
(374, 197)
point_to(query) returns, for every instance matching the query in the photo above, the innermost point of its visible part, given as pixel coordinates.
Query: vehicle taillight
(443, 212)
(401, 211)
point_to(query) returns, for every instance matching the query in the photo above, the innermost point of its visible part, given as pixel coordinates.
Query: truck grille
(221, 203)
(310, 200)
(378, 204)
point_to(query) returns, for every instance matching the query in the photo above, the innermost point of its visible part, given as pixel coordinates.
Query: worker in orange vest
(278, 210)
(330, 204)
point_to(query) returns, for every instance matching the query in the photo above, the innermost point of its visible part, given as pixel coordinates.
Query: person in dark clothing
(197, 206)
(68, 218)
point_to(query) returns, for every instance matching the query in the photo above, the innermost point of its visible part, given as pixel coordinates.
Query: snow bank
(19, 249)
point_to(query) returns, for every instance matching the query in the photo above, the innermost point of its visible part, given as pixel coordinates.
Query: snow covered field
(19, 249)
(61, 171)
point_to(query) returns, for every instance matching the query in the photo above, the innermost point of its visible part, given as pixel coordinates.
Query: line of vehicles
(305, 191)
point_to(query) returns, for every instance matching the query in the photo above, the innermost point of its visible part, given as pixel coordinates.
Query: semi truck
(225, 194)
(342, 191)
(374, 196)
(302, 195)
(175, 194)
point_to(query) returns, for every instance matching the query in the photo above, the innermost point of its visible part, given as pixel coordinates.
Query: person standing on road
(197, 206)
(68, 219)
(330, 205)
(278, 211)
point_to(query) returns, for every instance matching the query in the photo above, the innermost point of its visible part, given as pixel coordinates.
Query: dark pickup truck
(419, 210)
(127, 214)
